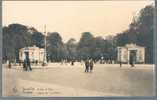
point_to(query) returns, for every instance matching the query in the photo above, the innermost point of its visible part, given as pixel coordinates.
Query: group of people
(89, 65)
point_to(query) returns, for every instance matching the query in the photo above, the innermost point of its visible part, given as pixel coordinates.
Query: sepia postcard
(78, 48)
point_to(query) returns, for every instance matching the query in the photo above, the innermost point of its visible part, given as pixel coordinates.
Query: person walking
(9, 65)
(91, 63)
(120, 62)
(72, 62)
(24, 65)
(28, 63)
(87, 65)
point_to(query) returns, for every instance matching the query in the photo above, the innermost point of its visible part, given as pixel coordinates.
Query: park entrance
(133, 56)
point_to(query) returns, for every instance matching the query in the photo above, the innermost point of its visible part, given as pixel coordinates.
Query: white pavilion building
(34, 53)
(125, 53)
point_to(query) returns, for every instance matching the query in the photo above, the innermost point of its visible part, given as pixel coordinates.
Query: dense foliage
(140, 31)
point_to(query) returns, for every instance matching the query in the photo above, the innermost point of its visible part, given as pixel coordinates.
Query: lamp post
(44, 59)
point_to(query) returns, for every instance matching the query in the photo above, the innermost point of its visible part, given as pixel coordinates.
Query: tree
(55, 46)
(145, 31)
(38, 39)
(99, 47)
(140, 32)
(72, 49)
(85, 45)
(15, 36)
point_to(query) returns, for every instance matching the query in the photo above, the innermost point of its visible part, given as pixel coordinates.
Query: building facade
(34, 53)
(131, 51)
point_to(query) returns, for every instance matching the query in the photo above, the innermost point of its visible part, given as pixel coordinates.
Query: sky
(71, 18)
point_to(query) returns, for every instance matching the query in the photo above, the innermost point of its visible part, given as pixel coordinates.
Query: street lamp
(44, 59)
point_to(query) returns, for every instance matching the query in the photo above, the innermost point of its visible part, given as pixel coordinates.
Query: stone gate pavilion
(34, 53)
(131, 50)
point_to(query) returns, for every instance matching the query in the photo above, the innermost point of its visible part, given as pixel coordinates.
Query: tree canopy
(140, 31)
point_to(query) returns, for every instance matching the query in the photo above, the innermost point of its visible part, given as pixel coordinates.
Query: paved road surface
(66, 80)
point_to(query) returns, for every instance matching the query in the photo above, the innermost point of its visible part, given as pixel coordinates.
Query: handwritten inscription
(39, 91)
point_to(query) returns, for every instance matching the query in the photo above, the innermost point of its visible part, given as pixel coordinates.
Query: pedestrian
(120, 62)
(72, 62)
(86, 65)
(19, 62)
(91, 65)
(9, 66)
(24, 65)
(28, 63)
(36, 62)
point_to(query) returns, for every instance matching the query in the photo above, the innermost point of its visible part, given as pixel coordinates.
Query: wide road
(106, 79)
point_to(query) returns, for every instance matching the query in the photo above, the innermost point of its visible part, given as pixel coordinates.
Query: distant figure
(28, 64)
(9, 65)
(120, 63)
(72, 62)
(91, 64)
(36, 62)
(86, 65)
(24, 65)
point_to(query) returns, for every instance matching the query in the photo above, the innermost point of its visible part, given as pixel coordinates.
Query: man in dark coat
(24, 65)
(91, 65)
(72, 62)
(29, 64)
(9, 64)
(86, 65)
